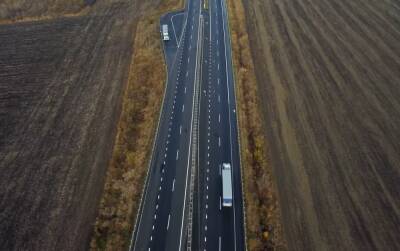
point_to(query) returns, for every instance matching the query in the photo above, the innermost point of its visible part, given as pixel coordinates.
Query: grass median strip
(263, 226)
(136, 129)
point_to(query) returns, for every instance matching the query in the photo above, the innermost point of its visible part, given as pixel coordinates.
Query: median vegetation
(263, 227)
(136, 129)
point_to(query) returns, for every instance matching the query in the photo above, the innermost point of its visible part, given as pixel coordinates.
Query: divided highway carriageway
(181, 206)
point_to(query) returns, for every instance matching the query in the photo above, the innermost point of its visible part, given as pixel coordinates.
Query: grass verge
(263, 226)
(132, 150)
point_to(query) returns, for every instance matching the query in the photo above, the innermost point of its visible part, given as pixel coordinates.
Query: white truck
(165, 32)
(226, 185)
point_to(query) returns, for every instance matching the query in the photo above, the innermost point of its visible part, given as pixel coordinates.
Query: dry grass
(263, 227)
(137, 126)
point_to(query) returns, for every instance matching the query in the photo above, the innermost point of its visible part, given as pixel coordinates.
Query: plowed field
(61, 82)
(329, 75)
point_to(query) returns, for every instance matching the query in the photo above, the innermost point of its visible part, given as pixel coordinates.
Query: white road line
(180, 130)
(156, 206)
(153, 227)
(183, 107)
(219, 243)
(173, 185)
(219, 141)
(155, 216)
(188, 59)
(185, 89)
(169, 216)
(220, 207)
(187, 74)
(177, 154)
(229, 114)
(218, 66)
(219, 98)
(219, 118)
(151, 237)
(218, 80)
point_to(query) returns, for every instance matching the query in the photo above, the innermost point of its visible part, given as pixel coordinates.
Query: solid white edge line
(229, 113)
(169, 216)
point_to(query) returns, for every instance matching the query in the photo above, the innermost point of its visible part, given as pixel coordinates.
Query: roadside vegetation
(137, 126)
(263, 226)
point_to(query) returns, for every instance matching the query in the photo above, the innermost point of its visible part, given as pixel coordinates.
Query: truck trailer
(226, 185)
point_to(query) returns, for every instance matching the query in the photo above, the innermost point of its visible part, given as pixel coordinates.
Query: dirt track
(329, 72)
(61, 82)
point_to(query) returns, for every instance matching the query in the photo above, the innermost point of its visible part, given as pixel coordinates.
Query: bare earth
(329, 72)
(61, 82)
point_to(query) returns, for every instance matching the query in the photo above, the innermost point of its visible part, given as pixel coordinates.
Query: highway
(181, 204)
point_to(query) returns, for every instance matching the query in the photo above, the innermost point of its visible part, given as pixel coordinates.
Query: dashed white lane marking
(206, 216)
(219, 118)
(155, 216)
(156, 206)
(207, 187)
(185, 89)
(159, 188)
(153, 227)
(218, 80)
(177, 154)
(219, 243)
(220, 207)
(205, 239)
(180, 130)
(183, 108)
(151, 237)
(187, 74)
(219, 141)
(173, 185)
(218, 66)
(219, 98)
(169, 216)
(188, 60)
(158, 197)
(205, 228)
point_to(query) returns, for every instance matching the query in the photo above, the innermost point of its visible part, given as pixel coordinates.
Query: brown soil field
(262, 213)
(61, 86)
(328, 75)
(17, 10)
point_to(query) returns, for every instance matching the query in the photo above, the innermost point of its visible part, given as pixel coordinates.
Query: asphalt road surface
(200, 88)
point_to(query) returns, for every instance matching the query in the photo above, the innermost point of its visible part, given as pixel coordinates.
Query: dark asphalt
(162, 220)
(216, 227)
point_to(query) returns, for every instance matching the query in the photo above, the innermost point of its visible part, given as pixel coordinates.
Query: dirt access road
(61, 82)
(329, 74)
